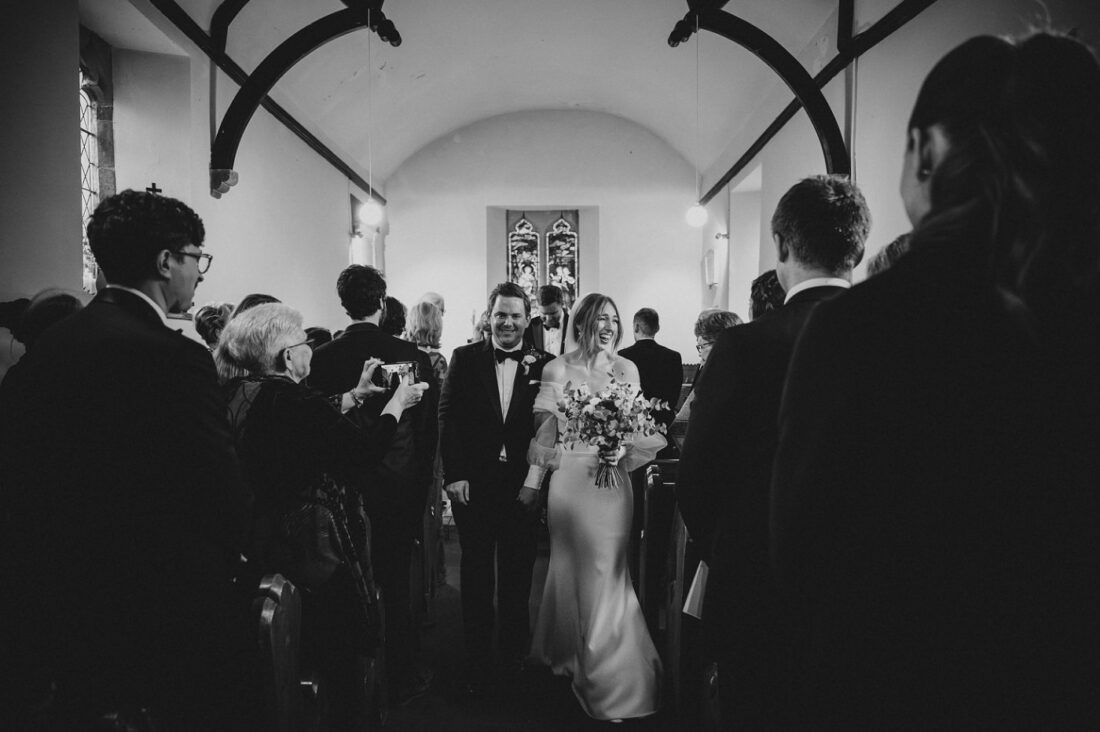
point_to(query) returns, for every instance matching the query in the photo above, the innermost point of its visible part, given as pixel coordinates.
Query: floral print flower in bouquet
(606, 420)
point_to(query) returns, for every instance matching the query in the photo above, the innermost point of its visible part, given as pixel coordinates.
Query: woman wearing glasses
(708, 326)
(305, 457)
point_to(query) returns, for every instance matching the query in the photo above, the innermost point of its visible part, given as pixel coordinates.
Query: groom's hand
(528, 497)
(459, 491)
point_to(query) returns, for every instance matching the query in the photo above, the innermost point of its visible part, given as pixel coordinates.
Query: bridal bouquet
(606, 420)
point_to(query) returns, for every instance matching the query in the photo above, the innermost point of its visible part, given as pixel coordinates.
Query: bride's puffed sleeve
(544, 453)
(642, 450)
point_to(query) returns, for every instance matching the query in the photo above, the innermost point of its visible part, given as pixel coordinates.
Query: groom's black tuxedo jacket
(471, 426)
(725, 469)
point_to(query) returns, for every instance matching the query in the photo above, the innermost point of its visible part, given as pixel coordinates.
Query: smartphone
(394, 372)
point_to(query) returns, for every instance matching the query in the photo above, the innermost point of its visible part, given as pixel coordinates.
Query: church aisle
(540, 702)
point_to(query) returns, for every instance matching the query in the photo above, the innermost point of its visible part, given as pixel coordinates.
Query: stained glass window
(561, 257)
(523, 256)
(89, 177)
(543, 249)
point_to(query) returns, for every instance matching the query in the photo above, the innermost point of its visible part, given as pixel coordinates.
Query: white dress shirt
(551, 340)
(506, 380)
(816, 282)
(146, 298)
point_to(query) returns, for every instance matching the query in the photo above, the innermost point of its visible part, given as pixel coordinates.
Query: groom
(486, 425)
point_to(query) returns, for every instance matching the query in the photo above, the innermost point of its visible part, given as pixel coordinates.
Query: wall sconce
(721, 235)
(708, 269)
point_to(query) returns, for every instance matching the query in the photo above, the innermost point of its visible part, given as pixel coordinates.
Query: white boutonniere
(530, 358)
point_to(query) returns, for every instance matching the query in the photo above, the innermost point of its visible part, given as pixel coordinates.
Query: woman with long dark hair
(935, 502)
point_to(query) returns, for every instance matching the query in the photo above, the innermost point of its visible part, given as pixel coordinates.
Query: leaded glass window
(523, 256)
(543, 249)
(89, 176)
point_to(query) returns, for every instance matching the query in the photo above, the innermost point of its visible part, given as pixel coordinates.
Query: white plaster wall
(744, 245)
(152, 122)
(39, 155)
(439, 201)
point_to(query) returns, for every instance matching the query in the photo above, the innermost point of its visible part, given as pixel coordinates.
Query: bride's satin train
(590, 625)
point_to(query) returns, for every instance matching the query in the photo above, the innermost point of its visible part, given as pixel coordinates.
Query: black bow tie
(502, 356)
(547, 326)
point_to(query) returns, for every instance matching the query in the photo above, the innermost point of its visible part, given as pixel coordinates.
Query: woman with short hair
(306, 458)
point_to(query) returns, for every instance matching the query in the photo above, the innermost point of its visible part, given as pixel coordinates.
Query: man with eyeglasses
(122, 505)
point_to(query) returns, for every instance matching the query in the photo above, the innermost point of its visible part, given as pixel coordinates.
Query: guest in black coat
(819, 228)
(546, 331)
(935, 498)
(661, 369)
(404, 478)
(122, 504)
(302, 456)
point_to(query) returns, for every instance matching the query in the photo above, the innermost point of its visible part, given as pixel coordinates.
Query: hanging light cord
(370, 112)
(698, 180)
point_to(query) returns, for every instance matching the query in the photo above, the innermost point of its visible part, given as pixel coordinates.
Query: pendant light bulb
(371, 213)
(696, 216)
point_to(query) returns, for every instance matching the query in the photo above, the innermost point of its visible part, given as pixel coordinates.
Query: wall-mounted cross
(154, 190)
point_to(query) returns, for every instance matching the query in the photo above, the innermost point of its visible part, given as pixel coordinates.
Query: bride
(590, 625)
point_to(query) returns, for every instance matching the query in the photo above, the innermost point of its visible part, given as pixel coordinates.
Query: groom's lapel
(487, 369)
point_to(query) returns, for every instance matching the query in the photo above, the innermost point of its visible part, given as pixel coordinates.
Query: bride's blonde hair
(586, 319)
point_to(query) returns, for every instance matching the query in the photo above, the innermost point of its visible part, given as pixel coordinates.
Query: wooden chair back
(280, 623)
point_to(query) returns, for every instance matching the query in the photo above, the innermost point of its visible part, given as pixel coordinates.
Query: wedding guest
(547, 329)
(435, 299)
(425, 328)
(661, 369)
(481, 328)
(708, 326)
(300, 452)
(404, 478)
(485, 427)
(122, 504)
(209, 321)
(393, 320)
(888, 256)
(935, 499)
(46, 308)
(318, 336)
(251, 301)
(229, 371)
(766, 294)
(819, 229)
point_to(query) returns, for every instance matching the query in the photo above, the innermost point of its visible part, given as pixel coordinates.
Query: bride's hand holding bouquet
(608, 420)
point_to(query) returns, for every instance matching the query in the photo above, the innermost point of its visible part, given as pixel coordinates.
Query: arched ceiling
(466, 60)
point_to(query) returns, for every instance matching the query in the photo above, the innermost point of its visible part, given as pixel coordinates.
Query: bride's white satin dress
(590, 625)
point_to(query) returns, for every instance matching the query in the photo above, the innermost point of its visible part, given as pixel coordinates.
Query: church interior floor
(541, 702)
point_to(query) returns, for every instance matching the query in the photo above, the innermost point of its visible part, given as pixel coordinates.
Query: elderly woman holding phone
(305, 456)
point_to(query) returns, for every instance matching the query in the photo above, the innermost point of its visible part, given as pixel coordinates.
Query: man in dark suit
(819, 228)
(661, 369)
(547, 330)
(404, 477)
(486, 427)
(123, 507)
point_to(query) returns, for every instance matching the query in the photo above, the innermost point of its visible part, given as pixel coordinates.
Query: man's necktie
(502, 355)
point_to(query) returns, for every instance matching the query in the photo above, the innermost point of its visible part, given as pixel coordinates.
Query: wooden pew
(280, 622)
